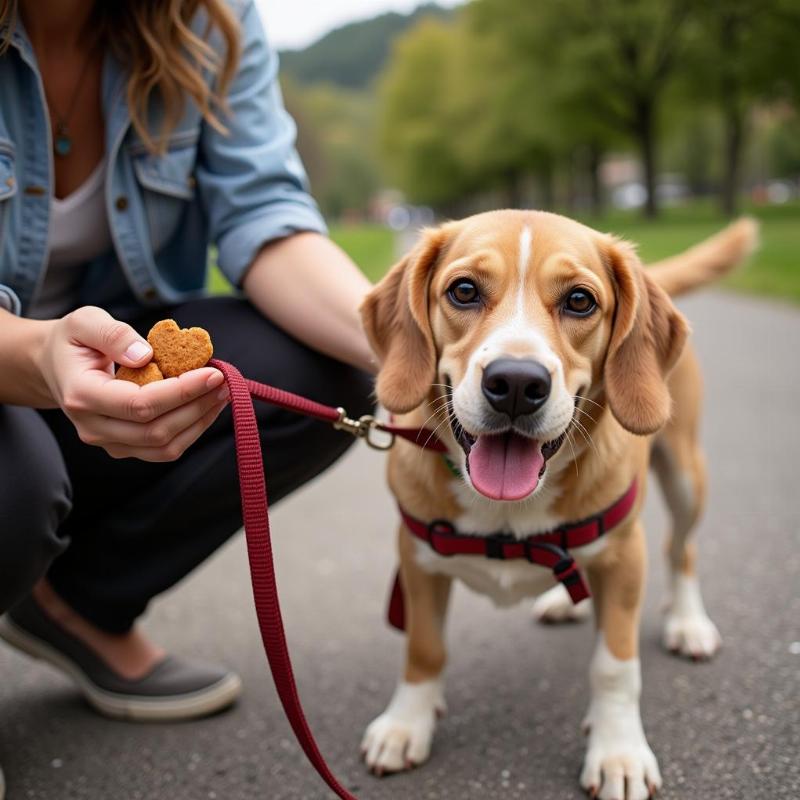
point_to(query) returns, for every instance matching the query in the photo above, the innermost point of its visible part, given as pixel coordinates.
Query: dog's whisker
(586, 435)
(585, 414)
(436, 410)
(422, 451)
(572, 427)
(435, 431)
(588, 400)
(581, 426)
(572, 448)
(438, 403)
(576, 426)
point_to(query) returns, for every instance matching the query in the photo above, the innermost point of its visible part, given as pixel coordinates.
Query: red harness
(548, 549)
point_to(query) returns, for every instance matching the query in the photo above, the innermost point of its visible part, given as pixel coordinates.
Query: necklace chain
(63, 141)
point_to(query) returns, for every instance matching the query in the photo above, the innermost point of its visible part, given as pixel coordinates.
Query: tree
(538, 96)
(616, 58)
(336, 131)
(416, 132)
(460, 115)
(742, 52)
(784, 147)
(512, 89)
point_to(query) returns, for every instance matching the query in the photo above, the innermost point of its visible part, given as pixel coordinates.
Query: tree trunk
(596, 184)
(547, 189)
(645, 134)
(734, 137)
(732, 106)
(513, 188)
(699, 156)
(570, 187)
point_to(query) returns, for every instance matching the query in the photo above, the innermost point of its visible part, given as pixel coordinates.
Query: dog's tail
(707, 261)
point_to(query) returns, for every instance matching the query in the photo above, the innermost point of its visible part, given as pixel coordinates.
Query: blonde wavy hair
(163, 56)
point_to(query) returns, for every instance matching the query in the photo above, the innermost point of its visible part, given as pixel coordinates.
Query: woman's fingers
(95, 328)
(99, 393)
(174, 449)
(102, 431)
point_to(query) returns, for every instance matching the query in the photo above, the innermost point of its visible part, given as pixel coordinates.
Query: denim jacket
(237, 190)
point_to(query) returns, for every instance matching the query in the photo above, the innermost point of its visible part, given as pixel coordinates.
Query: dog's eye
(579, 303)
(464, 293)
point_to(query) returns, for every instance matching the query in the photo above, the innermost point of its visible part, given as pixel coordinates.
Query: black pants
(112, 534)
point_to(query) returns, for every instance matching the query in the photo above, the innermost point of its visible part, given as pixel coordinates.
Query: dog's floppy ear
(647, 337)
(395, 318)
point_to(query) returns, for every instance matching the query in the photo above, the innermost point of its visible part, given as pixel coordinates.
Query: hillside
(353, 55)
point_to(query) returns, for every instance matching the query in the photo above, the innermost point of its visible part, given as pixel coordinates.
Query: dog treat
(142, 375)
(175, 351)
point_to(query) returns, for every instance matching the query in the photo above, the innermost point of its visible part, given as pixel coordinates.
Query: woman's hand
(155, 422)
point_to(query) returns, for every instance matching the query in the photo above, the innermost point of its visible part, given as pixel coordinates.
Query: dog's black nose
(516, 386)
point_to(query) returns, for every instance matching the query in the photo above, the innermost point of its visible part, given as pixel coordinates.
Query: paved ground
(730, 729)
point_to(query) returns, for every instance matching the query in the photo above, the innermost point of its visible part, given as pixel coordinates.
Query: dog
(556, 370)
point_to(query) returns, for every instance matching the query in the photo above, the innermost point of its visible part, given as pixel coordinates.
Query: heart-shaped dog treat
(146, 374)
(177, 350)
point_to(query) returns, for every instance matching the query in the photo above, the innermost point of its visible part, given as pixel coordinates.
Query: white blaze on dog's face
(504, 318)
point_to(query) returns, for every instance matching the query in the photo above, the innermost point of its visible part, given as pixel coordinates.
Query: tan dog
(548, 357)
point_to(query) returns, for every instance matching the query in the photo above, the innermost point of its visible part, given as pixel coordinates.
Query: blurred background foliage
(655, 118)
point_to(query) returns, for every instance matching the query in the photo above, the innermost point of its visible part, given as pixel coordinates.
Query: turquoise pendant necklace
(62, 140)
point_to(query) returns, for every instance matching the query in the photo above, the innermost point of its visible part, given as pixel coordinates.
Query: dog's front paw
(555, 606)
(401, 737)
(619, 763)
(688, 630)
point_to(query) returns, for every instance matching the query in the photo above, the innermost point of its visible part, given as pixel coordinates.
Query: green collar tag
(451, 466)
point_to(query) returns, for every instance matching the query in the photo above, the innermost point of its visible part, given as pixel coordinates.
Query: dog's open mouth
(507, 465)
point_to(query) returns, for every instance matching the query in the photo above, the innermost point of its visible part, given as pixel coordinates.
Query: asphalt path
(516, 691)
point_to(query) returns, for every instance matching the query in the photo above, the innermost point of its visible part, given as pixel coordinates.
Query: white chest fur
(504, 582)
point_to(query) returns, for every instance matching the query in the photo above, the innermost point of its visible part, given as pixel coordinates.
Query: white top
(79, 232)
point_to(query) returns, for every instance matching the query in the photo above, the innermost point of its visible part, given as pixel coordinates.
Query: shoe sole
(167, 708)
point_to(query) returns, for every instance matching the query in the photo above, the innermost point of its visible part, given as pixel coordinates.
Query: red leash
(367, 427)
(256, 525)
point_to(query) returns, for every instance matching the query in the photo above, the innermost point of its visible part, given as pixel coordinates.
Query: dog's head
(508, 319)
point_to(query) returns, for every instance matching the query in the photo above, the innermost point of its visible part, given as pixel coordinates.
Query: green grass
(370, 246)
(773, 271)
(217, 282)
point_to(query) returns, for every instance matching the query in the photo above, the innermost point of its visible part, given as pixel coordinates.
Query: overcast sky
(296, 23)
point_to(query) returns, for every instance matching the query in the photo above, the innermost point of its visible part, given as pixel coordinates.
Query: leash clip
(366, 428)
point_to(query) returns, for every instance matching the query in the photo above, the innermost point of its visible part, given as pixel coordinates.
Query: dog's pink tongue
(505, 466)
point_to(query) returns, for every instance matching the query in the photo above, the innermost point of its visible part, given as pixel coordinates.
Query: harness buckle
(439, 527)
(569, 576)
(495, 543)
(566, 571)
(366, 428)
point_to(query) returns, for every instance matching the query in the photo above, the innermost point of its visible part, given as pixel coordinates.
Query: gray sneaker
(173, 690)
